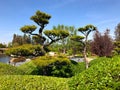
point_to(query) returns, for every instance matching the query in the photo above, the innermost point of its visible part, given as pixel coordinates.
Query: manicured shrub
(6, 69)
(26, 50)
(103, 74)
(59, 66)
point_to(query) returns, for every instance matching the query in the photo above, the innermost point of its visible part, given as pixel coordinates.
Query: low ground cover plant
(30, 82)
(6, 69)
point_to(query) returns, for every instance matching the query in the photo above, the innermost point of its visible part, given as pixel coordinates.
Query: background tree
(117, 47)
(102, 44)
(85, 31)
(66, 45)
(17, 40)
(20, 40)
(117, 39)
(3, 45)
(117, 32)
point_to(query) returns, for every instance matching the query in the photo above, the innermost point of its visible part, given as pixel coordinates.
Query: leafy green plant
(26, 50)
(6, 69)
(103, 74)
(59, 66)
(28, 82)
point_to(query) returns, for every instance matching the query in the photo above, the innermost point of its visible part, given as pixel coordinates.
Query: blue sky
(16, 13)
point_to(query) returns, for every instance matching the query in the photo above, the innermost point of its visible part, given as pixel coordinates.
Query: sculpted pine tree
(42, 19)
(84, 39)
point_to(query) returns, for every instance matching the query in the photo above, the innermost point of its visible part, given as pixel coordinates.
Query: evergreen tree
(117, 39)
(117, 32)
(42, 19)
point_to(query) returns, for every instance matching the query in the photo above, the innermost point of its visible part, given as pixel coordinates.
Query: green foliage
(2, 45)
(117, 47)
(66, 45)
(56, 34)
(29, 68)
(77, 38)
(20, 40)
(117, 32)
(28, 28)
(26, 50)
(59, 66)
(41, 18)
(36, 39)
(103, 74)
(87, 28)
(85, 31)
(77, 67)
(28, 82)
(6, 69)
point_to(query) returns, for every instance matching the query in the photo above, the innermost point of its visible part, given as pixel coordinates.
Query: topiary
(59, 66)
(26, 50)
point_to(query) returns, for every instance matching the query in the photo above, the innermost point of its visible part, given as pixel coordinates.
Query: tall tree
(85, 31)
(20, 40)
(66, 44)
(17, 40)
(102, 44)
(117, 39)
(117, 32)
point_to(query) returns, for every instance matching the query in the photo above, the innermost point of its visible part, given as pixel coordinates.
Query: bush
(26, 50)
(29, 68)
(6, 69)
(103, 74)
(59, 66)
(77, 67)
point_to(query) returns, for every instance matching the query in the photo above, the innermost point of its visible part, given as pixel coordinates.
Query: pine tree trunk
(85, 54)
(86, 61)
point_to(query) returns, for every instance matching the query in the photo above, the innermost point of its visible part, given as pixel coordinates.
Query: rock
(16, 60)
